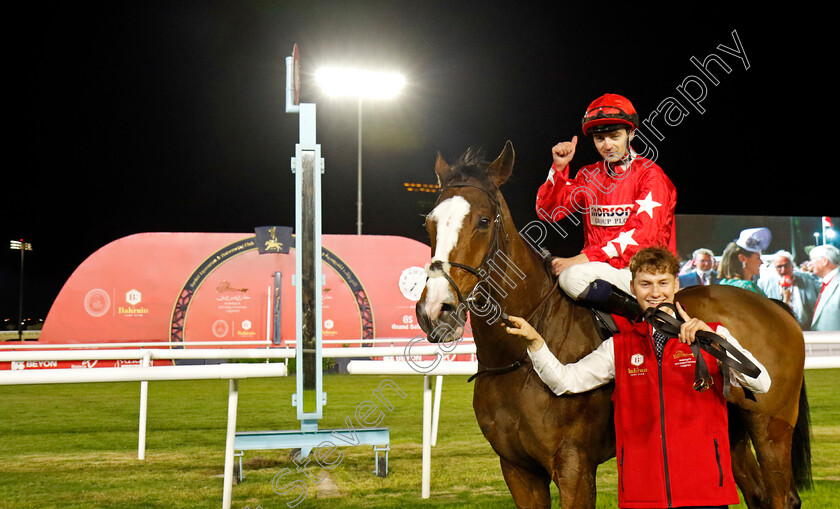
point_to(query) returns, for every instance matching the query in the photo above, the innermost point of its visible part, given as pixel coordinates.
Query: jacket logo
(684, 359)
(637, 359)
(609, 215)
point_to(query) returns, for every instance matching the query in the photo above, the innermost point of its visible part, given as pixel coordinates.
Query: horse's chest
(502, 411)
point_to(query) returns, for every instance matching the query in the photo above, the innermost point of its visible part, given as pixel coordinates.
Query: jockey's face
(611, 145)
(654, 289)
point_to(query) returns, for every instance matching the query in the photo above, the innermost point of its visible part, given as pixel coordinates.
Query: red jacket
(623, 212)
(672, 442)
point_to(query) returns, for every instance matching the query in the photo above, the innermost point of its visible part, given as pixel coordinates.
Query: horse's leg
(772, 440)
(747, 475)
(576, 480)
(745, 469)
(529, 489)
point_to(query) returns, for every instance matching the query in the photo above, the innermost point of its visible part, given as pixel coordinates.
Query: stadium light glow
(420, 188)
(346, 82)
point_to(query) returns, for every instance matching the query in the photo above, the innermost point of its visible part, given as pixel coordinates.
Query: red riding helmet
(609, 112)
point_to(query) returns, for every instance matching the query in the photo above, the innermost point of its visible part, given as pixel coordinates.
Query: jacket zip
(662, 425)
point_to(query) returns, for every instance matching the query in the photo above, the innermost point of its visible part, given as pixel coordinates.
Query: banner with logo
(207, 286)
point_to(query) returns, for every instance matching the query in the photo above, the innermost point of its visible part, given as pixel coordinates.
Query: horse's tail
(800, 454)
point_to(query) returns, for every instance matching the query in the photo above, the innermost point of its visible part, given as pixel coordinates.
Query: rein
(714, 344)
(440, 268)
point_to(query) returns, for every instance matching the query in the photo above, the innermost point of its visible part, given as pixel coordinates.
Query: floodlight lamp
(20, 245)
(335, 81)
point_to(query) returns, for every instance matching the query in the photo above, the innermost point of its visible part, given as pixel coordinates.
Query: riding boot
(603, 295)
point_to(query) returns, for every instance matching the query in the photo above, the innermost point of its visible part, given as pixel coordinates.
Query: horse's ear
(502, 167)
(441, 168)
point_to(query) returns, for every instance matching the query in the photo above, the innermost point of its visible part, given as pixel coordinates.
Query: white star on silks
(625, 239)
(647, 205)
(610, 250)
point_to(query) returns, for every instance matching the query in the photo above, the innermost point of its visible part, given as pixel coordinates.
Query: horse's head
(466, 228)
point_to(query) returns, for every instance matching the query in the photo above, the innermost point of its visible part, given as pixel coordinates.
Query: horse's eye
(483, 222)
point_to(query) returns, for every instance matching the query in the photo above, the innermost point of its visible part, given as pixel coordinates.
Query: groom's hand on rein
(522, 328)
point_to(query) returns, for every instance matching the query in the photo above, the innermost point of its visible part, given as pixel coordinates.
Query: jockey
(627, 203)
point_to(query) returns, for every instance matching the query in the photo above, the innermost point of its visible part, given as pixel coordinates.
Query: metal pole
(20, 296)
(359, 190)
(309, 281)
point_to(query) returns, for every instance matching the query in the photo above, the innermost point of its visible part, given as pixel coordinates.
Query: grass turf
(75, 446)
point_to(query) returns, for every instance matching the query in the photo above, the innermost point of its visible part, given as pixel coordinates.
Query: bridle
(440, 268)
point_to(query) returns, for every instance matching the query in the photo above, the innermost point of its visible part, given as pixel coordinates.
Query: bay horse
(481, 265)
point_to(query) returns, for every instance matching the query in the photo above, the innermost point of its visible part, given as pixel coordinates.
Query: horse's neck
(533, 284)
(520, 287)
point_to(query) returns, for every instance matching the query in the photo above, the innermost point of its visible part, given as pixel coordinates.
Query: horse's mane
(471, 166)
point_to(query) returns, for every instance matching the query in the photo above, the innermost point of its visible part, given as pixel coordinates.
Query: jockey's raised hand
(563, 153)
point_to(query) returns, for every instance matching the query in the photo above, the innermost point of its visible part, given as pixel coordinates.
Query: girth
(717, 346)
(501, 370)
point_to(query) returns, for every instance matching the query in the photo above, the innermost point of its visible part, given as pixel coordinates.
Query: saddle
(604, 322)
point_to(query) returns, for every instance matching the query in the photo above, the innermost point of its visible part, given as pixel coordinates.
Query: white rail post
(233, 399)
(425, 477)
(144, 399)
(436, 410)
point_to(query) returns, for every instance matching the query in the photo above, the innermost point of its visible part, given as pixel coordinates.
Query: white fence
(20, 352)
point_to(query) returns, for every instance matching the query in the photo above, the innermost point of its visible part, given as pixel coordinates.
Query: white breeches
(576, 278)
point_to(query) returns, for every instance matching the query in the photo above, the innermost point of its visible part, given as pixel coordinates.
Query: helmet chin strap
(628, 149)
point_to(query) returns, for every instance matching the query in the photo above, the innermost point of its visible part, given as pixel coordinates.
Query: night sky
(169, 116)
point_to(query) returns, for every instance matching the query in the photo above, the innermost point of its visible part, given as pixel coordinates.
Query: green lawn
(75, 446)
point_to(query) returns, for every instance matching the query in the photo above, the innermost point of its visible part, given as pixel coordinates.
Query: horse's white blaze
(449, 216)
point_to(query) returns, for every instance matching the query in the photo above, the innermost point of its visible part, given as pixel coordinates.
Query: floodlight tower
(21, 246)
(361, 84)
